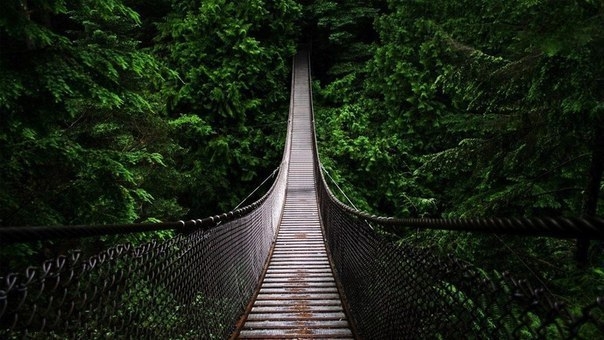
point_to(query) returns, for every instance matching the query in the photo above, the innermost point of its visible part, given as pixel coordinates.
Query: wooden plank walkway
(299, 297)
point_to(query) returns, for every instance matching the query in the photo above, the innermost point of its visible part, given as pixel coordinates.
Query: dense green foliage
(469, 109)
(475, 109)
(74, 114)
(231, 94)
(127, 111)
(111, 116)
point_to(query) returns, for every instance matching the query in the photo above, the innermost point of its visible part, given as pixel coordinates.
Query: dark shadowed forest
(125, 111)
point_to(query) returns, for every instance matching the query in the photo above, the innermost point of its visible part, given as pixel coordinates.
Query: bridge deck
(298, 297)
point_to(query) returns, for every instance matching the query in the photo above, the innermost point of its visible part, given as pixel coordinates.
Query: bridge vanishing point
(297, 264)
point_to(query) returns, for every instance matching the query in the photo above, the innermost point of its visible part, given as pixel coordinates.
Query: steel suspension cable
(402, 290)
(257, 188)
(338, 187)
(192, 285)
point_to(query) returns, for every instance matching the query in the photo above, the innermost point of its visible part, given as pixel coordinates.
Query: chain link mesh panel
(194, 285)
(401, 291)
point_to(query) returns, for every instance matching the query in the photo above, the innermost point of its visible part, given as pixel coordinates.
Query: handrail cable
(196, 283)
(559, 227)
(403, 290)
(339, 189)
(11, 235)
(257, 188)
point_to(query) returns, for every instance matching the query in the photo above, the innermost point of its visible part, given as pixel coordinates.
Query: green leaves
(485, 105)
(79, 132)
(470, 109)
(232, 61)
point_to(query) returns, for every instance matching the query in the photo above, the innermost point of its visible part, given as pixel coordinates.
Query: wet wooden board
(298, 298)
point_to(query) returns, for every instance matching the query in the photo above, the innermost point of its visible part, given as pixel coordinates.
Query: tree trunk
(592, 190)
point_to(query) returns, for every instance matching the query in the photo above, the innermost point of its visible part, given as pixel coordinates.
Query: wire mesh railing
(193, 285)
(397, 290)
(196, 284)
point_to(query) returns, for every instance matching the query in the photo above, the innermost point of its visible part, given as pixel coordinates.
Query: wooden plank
(309, 279)
(300, 270)
(285, 303)
(298, 290)
(298, 283)
(300, 263)
(297, 324)
(303, 315)
(321, 253)
(338, 333)
(298, 298)
(294, 308)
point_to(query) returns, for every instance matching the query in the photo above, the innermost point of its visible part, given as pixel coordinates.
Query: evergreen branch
(556, 191)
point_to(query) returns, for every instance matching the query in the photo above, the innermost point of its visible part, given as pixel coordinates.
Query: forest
(124, 111)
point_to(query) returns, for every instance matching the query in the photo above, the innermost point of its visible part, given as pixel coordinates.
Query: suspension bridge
(297, 263)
